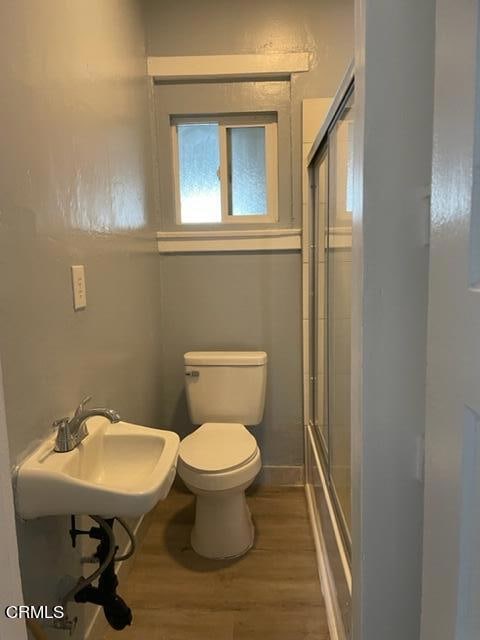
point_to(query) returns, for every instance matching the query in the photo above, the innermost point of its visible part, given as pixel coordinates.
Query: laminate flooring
(271, 593)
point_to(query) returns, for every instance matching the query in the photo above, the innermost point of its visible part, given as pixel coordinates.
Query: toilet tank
(225, 386)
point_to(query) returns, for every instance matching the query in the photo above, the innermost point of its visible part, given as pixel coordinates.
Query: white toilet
(219, 460)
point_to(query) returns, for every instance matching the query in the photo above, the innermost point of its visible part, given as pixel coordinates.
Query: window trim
(230, 121)
(263, 66)
(225, 240)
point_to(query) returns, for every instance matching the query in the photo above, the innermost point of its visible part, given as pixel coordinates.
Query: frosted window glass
(199, 161)
(248, 192)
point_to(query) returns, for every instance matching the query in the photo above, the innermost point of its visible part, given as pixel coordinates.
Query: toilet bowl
(218, 462)
(220, 459)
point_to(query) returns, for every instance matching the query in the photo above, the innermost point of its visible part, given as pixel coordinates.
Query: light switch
(79, 287)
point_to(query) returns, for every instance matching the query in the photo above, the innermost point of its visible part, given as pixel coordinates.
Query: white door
(451, 565)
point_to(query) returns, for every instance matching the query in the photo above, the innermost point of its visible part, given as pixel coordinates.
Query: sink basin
(119, 469)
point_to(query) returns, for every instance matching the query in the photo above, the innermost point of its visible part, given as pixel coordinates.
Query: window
(225, 168)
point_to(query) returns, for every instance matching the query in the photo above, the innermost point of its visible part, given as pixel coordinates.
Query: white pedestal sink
(119, 470)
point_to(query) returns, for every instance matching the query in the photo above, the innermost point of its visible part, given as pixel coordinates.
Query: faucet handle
(62, 431)
(82, 404)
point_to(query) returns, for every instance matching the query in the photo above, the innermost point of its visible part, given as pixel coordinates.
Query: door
(338, 316)
(330, 307)
(451, 547)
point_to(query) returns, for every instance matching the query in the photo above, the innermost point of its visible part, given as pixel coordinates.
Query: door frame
(333, 555)
(394, 65)
(10, 578)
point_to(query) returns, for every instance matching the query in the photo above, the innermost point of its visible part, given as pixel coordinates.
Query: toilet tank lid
(225, 358)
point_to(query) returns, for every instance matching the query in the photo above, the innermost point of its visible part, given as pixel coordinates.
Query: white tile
(340, 401)
(305, 346)
(305, 233)
(305, 218)
(321, 290)
(306, 398)
(321, 234)
(341, 345)
(305, 151)
(321, 399)
(306, 250)
(340, 279)
(305, 291)
(320, 310)
(321, 346)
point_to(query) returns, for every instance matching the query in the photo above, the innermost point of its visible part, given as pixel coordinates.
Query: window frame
(225, 122)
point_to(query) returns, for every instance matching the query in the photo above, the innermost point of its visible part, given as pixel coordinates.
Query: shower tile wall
(314, 111)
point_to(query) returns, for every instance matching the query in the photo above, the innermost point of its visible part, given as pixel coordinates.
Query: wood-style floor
(271, 593)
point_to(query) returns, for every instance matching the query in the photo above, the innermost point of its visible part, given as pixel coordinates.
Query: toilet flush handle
(193, 374)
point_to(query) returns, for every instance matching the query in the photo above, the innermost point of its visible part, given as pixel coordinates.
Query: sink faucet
(71, 431)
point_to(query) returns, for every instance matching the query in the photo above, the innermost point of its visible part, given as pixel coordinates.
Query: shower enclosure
(329, 284)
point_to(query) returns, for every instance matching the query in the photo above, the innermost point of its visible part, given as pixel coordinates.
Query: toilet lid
(215, 447)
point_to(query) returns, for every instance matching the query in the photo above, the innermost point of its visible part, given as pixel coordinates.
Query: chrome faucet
(71, 431)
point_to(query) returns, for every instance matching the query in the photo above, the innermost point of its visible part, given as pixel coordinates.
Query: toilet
(225, 391)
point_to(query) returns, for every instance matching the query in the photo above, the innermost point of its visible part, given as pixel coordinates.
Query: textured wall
(248, 300)
(221, 97)
(73, 189)
(214, 27)
(238, 302)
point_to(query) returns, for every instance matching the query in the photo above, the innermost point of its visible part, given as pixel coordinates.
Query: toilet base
(223, 525)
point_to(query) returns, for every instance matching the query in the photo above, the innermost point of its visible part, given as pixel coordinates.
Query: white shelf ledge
(226, 240)
(272, 65)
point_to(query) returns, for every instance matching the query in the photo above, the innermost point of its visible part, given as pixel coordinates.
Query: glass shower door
(330, 308)
(328, 467)
(339, 275)
(317, 306)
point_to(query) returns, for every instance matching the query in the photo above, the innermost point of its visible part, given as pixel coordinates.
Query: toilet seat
(217, 447)
(218, 457)
(234, 479)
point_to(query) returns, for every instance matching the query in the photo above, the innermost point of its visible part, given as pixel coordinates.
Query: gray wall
(239, 301)
(248, 300)
(73, 189)
(215, 27)
(221, 97)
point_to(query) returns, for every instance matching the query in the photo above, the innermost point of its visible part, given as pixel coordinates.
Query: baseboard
(281, 476)
(98, 625)
(327, 582)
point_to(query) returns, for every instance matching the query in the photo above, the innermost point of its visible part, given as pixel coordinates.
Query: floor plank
(271, 593)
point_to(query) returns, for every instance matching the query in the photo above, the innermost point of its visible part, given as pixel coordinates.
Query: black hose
(85, 582)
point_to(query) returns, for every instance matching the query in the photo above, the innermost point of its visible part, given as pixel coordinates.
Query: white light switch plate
(79, 287)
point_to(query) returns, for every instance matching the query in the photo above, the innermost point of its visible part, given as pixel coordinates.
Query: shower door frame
(328, 524)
